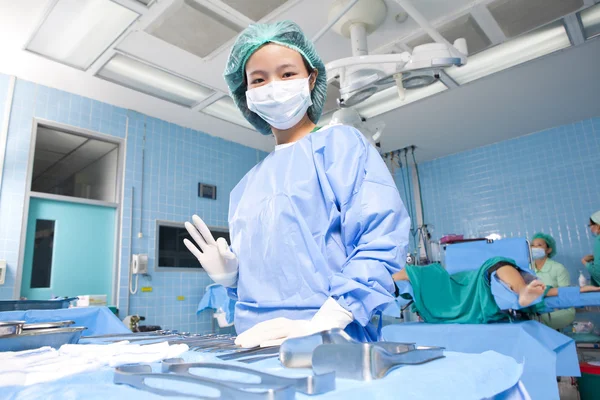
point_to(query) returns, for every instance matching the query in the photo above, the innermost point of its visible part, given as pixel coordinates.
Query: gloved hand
(274, 331)
(216, 258)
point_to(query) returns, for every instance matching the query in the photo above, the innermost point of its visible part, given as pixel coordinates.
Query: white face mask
(537, 253)
(282, 104)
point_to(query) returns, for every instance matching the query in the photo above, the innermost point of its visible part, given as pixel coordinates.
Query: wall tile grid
(547, 181)
(176, 159)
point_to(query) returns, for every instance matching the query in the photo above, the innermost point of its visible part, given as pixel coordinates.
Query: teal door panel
(77, 243)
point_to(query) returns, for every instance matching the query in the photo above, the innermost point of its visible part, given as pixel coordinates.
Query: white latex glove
(215, 256)
(274, 331)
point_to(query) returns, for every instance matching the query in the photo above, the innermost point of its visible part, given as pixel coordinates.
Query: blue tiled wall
(547, 181)
(176, 159)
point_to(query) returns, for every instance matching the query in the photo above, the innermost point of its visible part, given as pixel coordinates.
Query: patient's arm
(584, 289)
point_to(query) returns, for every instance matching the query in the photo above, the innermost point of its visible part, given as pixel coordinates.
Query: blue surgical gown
(321, 218)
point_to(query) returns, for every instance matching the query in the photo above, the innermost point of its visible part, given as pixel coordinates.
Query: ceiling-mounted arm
(401, 58)
(458, 49)
(333, 21)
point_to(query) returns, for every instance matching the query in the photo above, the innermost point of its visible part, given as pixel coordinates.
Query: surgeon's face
(595, 228)
(541, 244)
(273, 62)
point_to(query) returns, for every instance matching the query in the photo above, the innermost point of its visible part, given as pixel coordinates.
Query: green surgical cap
(285, 33)
(596, 217)
(550, 242)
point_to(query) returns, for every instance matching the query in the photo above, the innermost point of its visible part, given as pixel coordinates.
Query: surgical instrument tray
(312, 385)
(23, 305)
(136, 375)
(35, 338)
(367, 361)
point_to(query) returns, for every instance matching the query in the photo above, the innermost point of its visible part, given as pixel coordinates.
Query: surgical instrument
(312, 384)
(273, 350)
(298, 352)
(136, 375)
(367, 361)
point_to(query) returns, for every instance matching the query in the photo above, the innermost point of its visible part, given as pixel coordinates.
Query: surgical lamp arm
(434, 34)
(401, 58)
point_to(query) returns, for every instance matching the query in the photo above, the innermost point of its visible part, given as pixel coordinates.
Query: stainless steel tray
(48, 325)
(11, 327)
(37, 338)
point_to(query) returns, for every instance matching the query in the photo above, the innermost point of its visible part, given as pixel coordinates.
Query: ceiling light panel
(388, 99)
(194, 28)
(519, 16)
(463, 27)
(527, 47)
(77, 32)
(226, 109)
(150, 80)
(255, 9)
(590, 19)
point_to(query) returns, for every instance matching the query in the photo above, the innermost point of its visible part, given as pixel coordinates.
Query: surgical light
(388, 99)
(530, 46)
(153, 81)
(77, 32)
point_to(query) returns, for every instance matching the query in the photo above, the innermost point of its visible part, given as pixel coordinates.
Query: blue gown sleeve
(374, 222)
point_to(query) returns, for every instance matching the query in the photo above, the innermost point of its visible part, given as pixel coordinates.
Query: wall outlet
(2, 271)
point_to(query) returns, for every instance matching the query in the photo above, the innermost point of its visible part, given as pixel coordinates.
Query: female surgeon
(317, 228)
(551, 273)
(592, 261)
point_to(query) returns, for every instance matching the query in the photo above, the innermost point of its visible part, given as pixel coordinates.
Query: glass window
(42, 253)
(71, 165)
(172, 253)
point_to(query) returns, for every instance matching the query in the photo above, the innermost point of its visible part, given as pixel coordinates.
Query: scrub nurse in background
(551, 273)
(318, 227)
(592, 261)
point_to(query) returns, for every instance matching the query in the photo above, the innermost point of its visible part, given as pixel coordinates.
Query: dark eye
(257, 81)
(289, 74)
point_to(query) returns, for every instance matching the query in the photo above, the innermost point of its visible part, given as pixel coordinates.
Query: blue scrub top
(321, 218)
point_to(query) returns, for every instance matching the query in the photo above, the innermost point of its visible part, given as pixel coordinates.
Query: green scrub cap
(285, 33)
(550, 242)
(596, 217)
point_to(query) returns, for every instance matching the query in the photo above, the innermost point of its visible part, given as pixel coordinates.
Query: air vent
(153, 81)
(194, 28)
(463, 27)
(255, 9)
(519, 16)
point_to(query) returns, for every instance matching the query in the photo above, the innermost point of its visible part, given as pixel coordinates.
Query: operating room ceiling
(177, 50)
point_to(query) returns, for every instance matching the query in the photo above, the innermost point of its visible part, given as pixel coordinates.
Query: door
(69, 249)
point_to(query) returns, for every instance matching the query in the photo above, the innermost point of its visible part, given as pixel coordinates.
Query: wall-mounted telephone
(139, 265)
